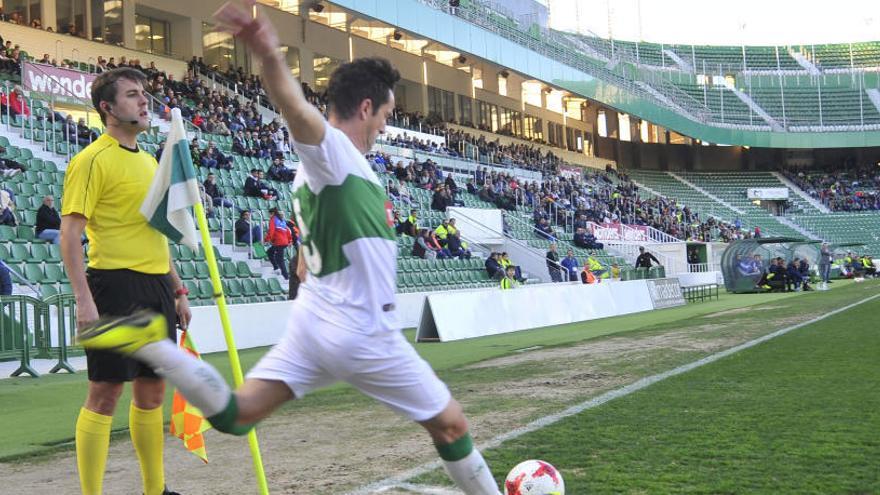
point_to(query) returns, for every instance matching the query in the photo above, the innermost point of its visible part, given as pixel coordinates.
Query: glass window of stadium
(441, 103)
(487, 116)
(27, 10)
(152, 35)
(222, 50)
(107, 21)
(533, 128)
(466, 110)
(323, 67)
(71, 16)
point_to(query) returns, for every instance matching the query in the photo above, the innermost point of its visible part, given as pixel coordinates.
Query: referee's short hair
(364, 78)
(104, 87)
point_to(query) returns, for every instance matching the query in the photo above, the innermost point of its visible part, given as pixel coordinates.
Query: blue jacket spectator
(571, 265)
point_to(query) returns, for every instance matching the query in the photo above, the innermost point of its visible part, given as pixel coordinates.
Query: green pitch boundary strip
(401, 480)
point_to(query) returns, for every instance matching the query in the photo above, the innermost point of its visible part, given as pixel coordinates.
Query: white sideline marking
(427, 490)
(400, 480)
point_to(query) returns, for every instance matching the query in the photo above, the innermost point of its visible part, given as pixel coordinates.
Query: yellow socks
(148, 438)
(92, 443)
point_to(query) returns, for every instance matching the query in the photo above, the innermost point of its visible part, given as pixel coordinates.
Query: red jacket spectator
(279, 233)
(18, 104)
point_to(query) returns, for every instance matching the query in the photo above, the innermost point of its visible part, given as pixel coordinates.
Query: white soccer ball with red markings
(534, 477)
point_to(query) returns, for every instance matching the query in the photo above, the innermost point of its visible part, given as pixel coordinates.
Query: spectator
(279, 236)
(571, 265)
(403, 192)
(793, 275)
(245, 232)
(644, 259)
(595, 267)
(252, 185)
(545, 231)
(804, 270)
(553, 265)
(410, 226)
(493, 267)
(84, 135)
(441, 199)
(509, 281)
(456, 247)
(7, 208)
(216, 194)
(420, 247)
(48, 226)
(588, 276)
(442, 232)
(277, 171)
(825, 259)
(17, 103)
(8, 166)
(506, 262)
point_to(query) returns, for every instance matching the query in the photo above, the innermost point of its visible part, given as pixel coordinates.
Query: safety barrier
(26, 331)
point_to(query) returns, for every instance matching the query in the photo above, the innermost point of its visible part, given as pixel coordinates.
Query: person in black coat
(48, 227)
(553, 265)
(252, 185)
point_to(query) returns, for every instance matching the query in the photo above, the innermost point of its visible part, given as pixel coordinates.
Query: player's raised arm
(305, 121)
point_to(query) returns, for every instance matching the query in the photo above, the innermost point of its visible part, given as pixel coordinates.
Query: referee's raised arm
(305, 121)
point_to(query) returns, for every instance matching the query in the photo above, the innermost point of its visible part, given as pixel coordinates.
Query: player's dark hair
(359, 80)
(104, 87)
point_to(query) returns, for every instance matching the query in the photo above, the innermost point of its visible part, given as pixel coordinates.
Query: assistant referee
(129, 268)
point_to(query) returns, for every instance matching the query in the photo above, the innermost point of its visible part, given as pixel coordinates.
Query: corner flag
(187, 421)
(174, 189)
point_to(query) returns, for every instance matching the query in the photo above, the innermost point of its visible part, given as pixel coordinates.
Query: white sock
(197, 380)
(472, 475)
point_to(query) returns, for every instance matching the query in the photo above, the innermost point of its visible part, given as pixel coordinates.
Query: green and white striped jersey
(348, 242)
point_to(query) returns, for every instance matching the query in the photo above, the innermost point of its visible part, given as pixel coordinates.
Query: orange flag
(187, 421)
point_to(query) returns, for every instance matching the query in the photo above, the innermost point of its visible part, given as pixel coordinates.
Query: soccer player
(342, 325)
(130, 268)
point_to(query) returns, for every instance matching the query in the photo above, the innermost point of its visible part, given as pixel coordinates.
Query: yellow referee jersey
(107, 183)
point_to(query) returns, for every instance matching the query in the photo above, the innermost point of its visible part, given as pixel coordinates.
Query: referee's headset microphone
(109, 109)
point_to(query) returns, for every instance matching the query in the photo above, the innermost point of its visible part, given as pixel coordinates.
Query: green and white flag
(174, 189)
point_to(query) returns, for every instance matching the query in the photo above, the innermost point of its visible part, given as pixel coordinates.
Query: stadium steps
(820, 208)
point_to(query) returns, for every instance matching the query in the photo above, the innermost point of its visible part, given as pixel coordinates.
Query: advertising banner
(57, 81)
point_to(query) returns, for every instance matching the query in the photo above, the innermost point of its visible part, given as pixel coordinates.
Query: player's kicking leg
(462, 461)
(143, 337)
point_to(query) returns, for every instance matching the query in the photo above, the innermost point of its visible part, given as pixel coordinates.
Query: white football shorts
(314, 353)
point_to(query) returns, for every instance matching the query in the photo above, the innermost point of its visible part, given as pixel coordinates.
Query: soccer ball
(534, 477)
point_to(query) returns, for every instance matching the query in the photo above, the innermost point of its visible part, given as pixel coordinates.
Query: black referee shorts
(120, 293)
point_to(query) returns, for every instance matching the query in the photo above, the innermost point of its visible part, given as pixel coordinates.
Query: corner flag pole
(237, 376)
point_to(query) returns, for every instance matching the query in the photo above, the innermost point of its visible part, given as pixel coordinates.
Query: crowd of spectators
(854, 190)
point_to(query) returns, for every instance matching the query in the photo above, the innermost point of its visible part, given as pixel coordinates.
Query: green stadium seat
(53, 274)
(206, 290)
(33, 272)
(186, 270)
(275, 287)
(19, 253)
(261, 286)
(248, 287)
(39, 252)
(228, 270)
(48, 290)
(244, 271)
(184, 253)
(233, 288)
(202, 271)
